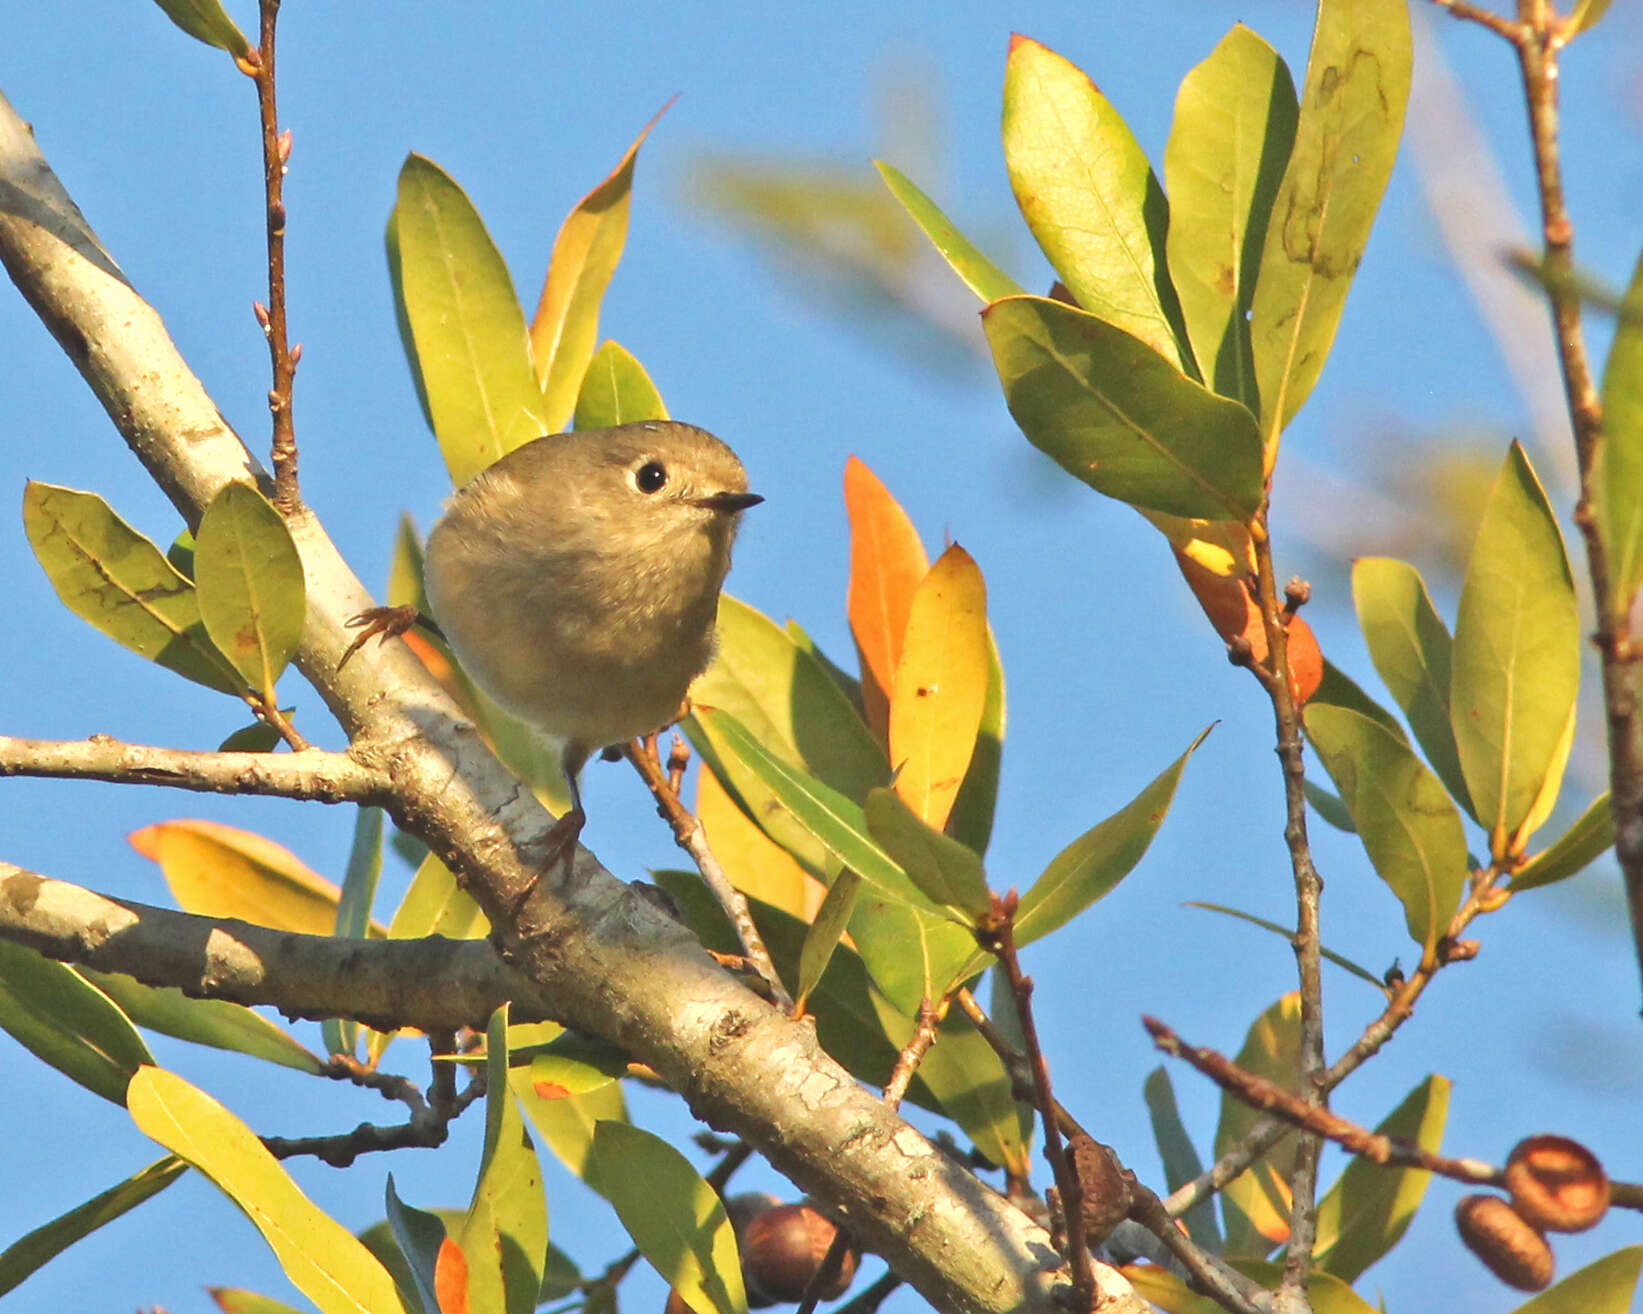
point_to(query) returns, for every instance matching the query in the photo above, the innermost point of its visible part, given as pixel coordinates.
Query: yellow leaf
(940, 686)
(887, 561)
(756, 864)
(221, 871)
(1546, 799)
(1222, 547)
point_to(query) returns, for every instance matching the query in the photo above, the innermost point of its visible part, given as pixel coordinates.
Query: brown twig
(688, 834)
(997, 936)
(276, 153)
(872, 1296)
(312, 774)
(1303, 1181)
(912, 1053)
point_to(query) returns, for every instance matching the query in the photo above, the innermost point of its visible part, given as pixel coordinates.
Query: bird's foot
(380, 623)
(561, 853)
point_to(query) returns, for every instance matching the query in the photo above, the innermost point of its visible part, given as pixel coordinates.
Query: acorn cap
(1557, 1184)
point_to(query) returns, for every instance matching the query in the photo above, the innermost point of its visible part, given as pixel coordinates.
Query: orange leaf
(887, 561)
(940, 686)
(755, 863)
(1231, 607)
(221, 871)
(565, 328)
(451, 1278)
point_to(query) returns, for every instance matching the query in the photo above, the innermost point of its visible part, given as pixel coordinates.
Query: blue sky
(1111, 670)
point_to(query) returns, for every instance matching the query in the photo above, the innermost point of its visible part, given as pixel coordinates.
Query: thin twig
(1303, 1221)
(312, 775)
(1476, 14)
(276, 153)
(688, 834)
(912, 1054)
(867, 1300)
(997, 936)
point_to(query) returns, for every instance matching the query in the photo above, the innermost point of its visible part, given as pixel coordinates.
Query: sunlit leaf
(237, 1300)
(1408, 825)
(585, 254)
(505, 1233)
(1118, 416)
(321, 1257)
(1234, 126)
(249, 577)
(207, 21)
(1179, 1156)
(1370, 1207)
(755, 863)
(1617, 468)
(1325, 1293)
(33, 1250)
(109, 575)
(949, 874)
(1097, 860)
(1090, 197)
(1604, 1287)
(567, 1125)
(359, 890)
(673, 1216)
(822, 937)
(939, 689)
(616, 390)
(213, 1022)
(1259, 1198)
(1410, 646)
(65, 1021)
(573, 1064)
(436, 905)
(1351, 116)
(979, 273)
(463, 329)
(887, 564)
(912, 952)
(971, 821)
(1516, 658)
(1589, 838)
(1587, 13)
(220, 871)
(1288, 935)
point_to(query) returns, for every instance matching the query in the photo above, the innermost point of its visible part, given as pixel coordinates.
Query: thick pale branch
(433, 984)
(613, 965)
(312, 774)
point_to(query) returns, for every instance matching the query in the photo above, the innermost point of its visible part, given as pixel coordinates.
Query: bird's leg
(385, 623)
(562, 837)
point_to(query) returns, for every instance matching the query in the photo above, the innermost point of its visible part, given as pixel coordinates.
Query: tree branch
(312, 774)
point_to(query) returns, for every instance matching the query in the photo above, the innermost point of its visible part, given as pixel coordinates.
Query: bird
(577, 580)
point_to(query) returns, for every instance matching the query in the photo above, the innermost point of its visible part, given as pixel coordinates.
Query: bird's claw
(379, 623)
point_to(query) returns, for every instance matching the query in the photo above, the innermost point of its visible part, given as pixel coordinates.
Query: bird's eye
(651, 477)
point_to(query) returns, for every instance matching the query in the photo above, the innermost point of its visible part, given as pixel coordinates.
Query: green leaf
(572, 1064)
(673, 1216)
(463, 329)
(1604, 1287)
(109, 575)
(971, 821)
(1408, 825)
(258, 737)
(436, 905)
(1516, 660)
(585, 255)
(616, 390)
(321, 1257)
(65, 1021)
(567, 1125)
(949, 874)
(1340, 960)
(207, 21)
(213, 1022)
(1588, 839)
(359, 891)
(1090, 197)
(237, 1300)
(1097, 860)
(1617, 467)
(1325, 1293)
(419, 1235)
(1117, 415)
(980, 275)
(1337, 689)
(1179, 1156)
(1586, 14)
(821, 938)
(1256, 1202)
(1234, 126)
(45, 1243)
(1329, 807)
(1352, 106)
(912, 953)
(1370, 1207)
(249, 577)
(1410, 646)
(505, 1233)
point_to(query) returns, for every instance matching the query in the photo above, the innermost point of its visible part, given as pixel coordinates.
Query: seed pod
(1511, 1249)
(1557, 1184)
(782, 1249)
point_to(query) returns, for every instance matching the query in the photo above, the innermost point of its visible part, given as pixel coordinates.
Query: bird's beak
(726, 501)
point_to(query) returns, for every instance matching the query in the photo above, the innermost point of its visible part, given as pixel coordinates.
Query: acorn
(1510, 1247)
(782, 1249)
(1557, 1184)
